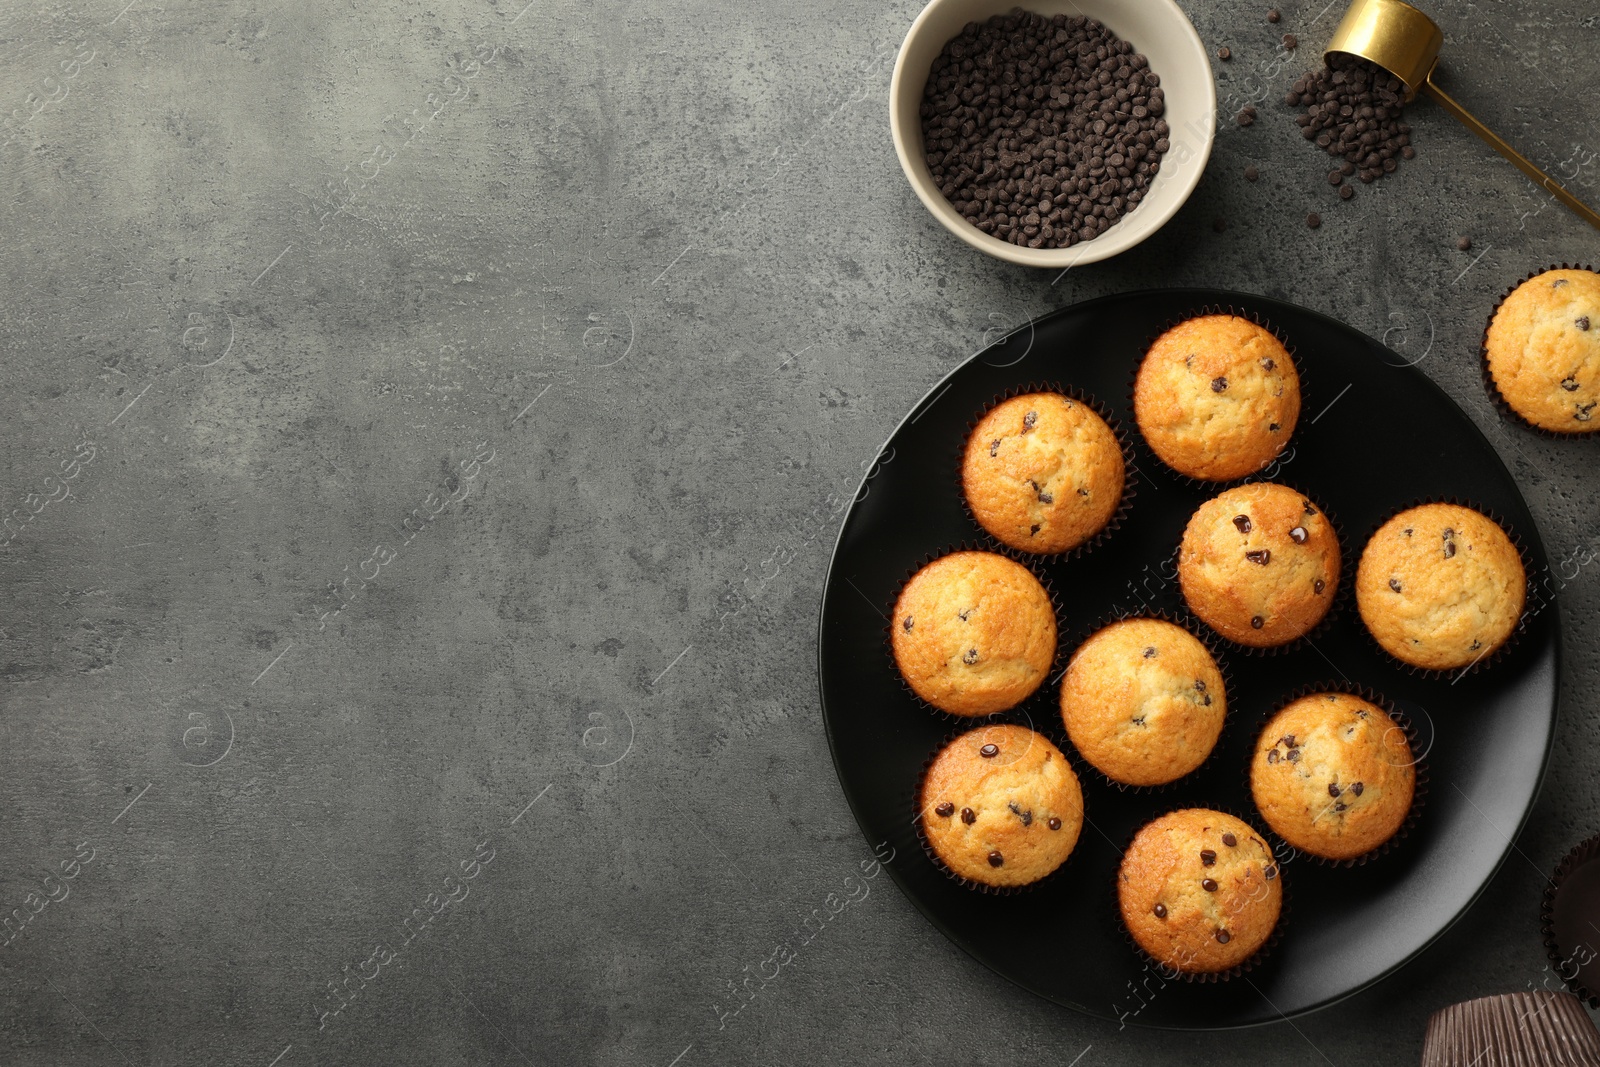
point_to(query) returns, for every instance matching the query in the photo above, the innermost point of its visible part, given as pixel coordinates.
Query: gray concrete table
(397, 396)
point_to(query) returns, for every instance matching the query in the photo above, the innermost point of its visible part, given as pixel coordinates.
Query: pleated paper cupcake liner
(1565, 958)
(1529, 1029)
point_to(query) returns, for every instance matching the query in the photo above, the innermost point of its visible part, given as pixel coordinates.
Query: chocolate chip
(1582, 414)
(1298, 535)
(1305, 505)
(1394, 583)
(1581, 322)
(1356, 788)
(945, 810)
(1463, 243)
(1271, 873)
(970, 656)
(1224, 53)
(1293, 756)
(1335, 177)
(1346, 192)
(1033, 529)
(965, 615)
(1318, 586)
(1273, 16)
(989, 751)
(969, 816)
(1341, 806)
(1333, 789)
(1046, 498)
(1251, 173)
(1272, 755)
(1025, 816)
(1256, 622)
(1218, 384)
(1201, 686)
(1245, 118)
(1272, 427)
(1160, 911)
(994, 447)
(1242, 522)
(907, 624)
(1449, 549)
(1288, 740)
(1229, 840)
(1149, 653)
(1558, 283)
(1054, 823)
(1313, 220)
(1030, 420)
(1207, 857)
(1290, 42)
(1208, 885)
(1351, 109)
(1223, 937)
(995, 859)
(1262, 556)
(1269, 364)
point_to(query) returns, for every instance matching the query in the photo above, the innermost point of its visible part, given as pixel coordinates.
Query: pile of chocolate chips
(1352, 108)
(1042, 131)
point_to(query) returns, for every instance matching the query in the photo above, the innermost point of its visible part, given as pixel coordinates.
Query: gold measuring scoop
(1405, 42)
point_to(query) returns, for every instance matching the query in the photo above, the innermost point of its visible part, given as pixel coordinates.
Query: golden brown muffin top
(1333, 775)
(1217, 397)
(1199, 890)
(1043, 472)
(1143, 701)
(1000, 805)
(973, 633)
(1543, 349)
(1440, 586)
(1259, 564)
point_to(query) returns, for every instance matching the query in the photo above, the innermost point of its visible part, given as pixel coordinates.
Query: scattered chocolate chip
(1394, 583)
(989, 751)
(1242, 522)
(1046, 498)
(1352, 110)
(1408, 531)
(1463, 243)
(1229, 840)
(1341, 806)
(1335, 178)
(1208, 885)
(1030, 420)
(1223, 937)
(1149, 653)
(1313, 220)
(1218, 384)
(1346, 192)
(1333, 789)
(1288, 740)
(1224, 53)
(1408, 152)
(1251, 173)
(1054, 823)
(1256, 622)
(1273, 16)
(907, 624)
(1581, 322)
(1207, 857)
(1269, 364)
(1290, 42)
(1271, 873)
(995, 859)
(1318, 586)
(1025, 816)
(1160, 911)
(1356, 788)
(969, 816)
(1206, 702)
(970, 656)
(1245, 118)
(1262, 556)
(1201, 686)
(1272, 755)
(1033, 529)
(1293, 756)
(994, 447)
(1298, 535)
(945, 810)
(1449, 549)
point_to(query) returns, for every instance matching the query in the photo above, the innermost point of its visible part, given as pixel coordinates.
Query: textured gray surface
(679, 232)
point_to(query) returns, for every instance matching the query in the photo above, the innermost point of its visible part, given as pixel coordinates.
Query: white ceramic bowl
(1157, 28)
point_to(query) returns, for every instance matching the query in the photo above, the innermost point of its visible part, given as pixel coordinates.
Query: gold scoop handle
(1548, 183)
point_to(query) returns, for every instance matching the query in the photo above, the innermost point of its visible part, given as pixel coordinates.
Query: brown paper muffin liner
(1343, 593)
(1540, 1028)
(1419, 792)
(1507, 412)
(1167, 971)
(918, 813)
(1205, 484)
(1201, 633)
(1582, 854)
(1130, 472)
(1489, 660)
(950, 716)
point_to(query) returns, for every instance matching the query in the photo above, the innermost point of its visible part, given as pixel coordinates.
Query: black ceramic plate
(1374, 435)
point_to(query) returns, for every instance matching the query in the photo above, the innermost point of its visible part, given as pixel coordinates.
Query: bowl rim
(1097, 248)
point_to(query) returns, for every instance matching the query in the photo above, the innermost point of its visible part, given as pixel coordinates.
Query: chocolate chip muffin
(1259, 564)
(1440, 586)
(1143, 701)
(1217, 397)
(1199, 891)
(1543, 350)
(974, 633)
(1333, 775)
(1001, 806)
(1043, 472)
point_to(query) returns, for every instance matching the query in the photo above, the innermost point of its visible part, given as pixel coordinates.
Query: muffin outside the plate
(1441, 586)
(973, 633)
(1043, 472)
(1259, 564)
(1199, 891)
(1000, 806)
(1143, 701)
(1333, 775)
(1217, 397)
(1543, 351)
